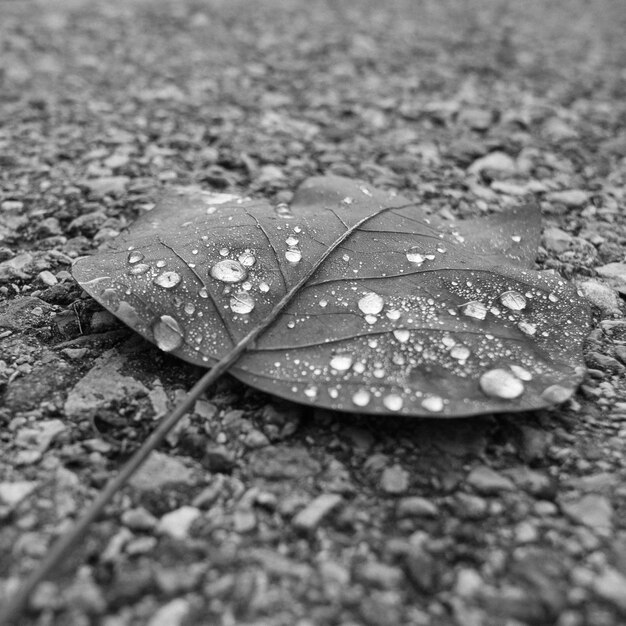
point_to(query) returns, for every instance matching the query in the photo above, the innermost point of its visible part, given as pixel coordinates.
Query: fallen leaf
(350, 298)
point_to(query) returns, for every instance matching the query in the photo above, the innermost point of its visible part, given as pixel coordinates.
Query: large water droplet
(371, 303)
(402, 335)
(293, 255)
(521, 373)
(413, 255)
(553, 297)
(189, 308)
(247, 259)
(264, 287)
(361, 397)
(460, 352)
(228, 271)
(393, 402)
(168, 334)
(135, 256)
(137, 270)
(527, 328)
(513, 300)
(434, 404)
(474, 309)
(203, 293)
(110, 298)
(292, 241)
(341, 362)
(311, 392)
(167, 280)
(241, 303)
(501, 383)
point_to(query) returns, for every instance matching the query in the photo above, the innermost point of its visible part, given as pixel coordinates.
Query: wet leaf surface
(383, 309)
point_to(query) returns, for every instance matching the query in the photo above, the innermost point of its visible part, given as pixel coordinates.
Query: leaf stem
(11, 611)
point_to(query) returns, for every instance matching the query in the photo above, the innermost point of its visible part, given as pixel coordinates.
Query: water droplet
(189, 308)
(434, 404)
(247, 259)
(527, 328)
(521, 373)
(203, 293)
(553, 297)
(393, 314)
(229, 271)
(402, 335)
(441, 249)
(323, 303)
(371, 303)
(140, 268)
(361, 397)
(460, 352)
(393, 402)
(224, 252)
(359, 367)
(501, 383)
(556, 394)
(293, 255)
(168, 334)
(292, 241)
(264, 287)
(346, 257)
(474, 309)
(160, 263)
(448, 341)
(413, 256)
(347, 200)
(513, 300)
(167, 280)
(241, 303)
(297, 229)
(341, 362)
(311, 392)
(333, 392)
(365, 191)
(371, 319)
(379, 372)
(110, 298)
(135, 256)
(283, 211)
(516, 238)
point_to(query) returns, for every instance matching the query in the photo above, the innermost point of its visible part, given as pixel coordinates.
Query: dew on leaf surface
(341, 362)
(241, 303)
(393, 314)
(203, 293)
(527, 328)
(160, 263)
(228, 271)
(224, 251)
(393, 402)
(361, 397)
(434, 404)
(553, 297)
(556, 394)
(247, 259)
(110, 297)
(140, 268)
(501, 383)
(402, 335)
(189, 308)
(371, 303)
(513, 300)
(168, 334)
(167, 280)
(323, 303)
(293, 255)
(460, 352)
(516, 238)
(264, 287)
(311, 392)
(474, 309)
(413, 255)
(135, 256)
(521, 373)
(292, 241)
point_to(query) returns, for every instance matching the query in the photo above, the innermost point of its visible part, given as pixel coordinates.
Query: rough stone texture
(256, 511)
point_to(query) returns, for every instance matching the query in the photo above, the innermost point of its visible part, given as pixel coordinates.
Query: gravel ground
(257, 511)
